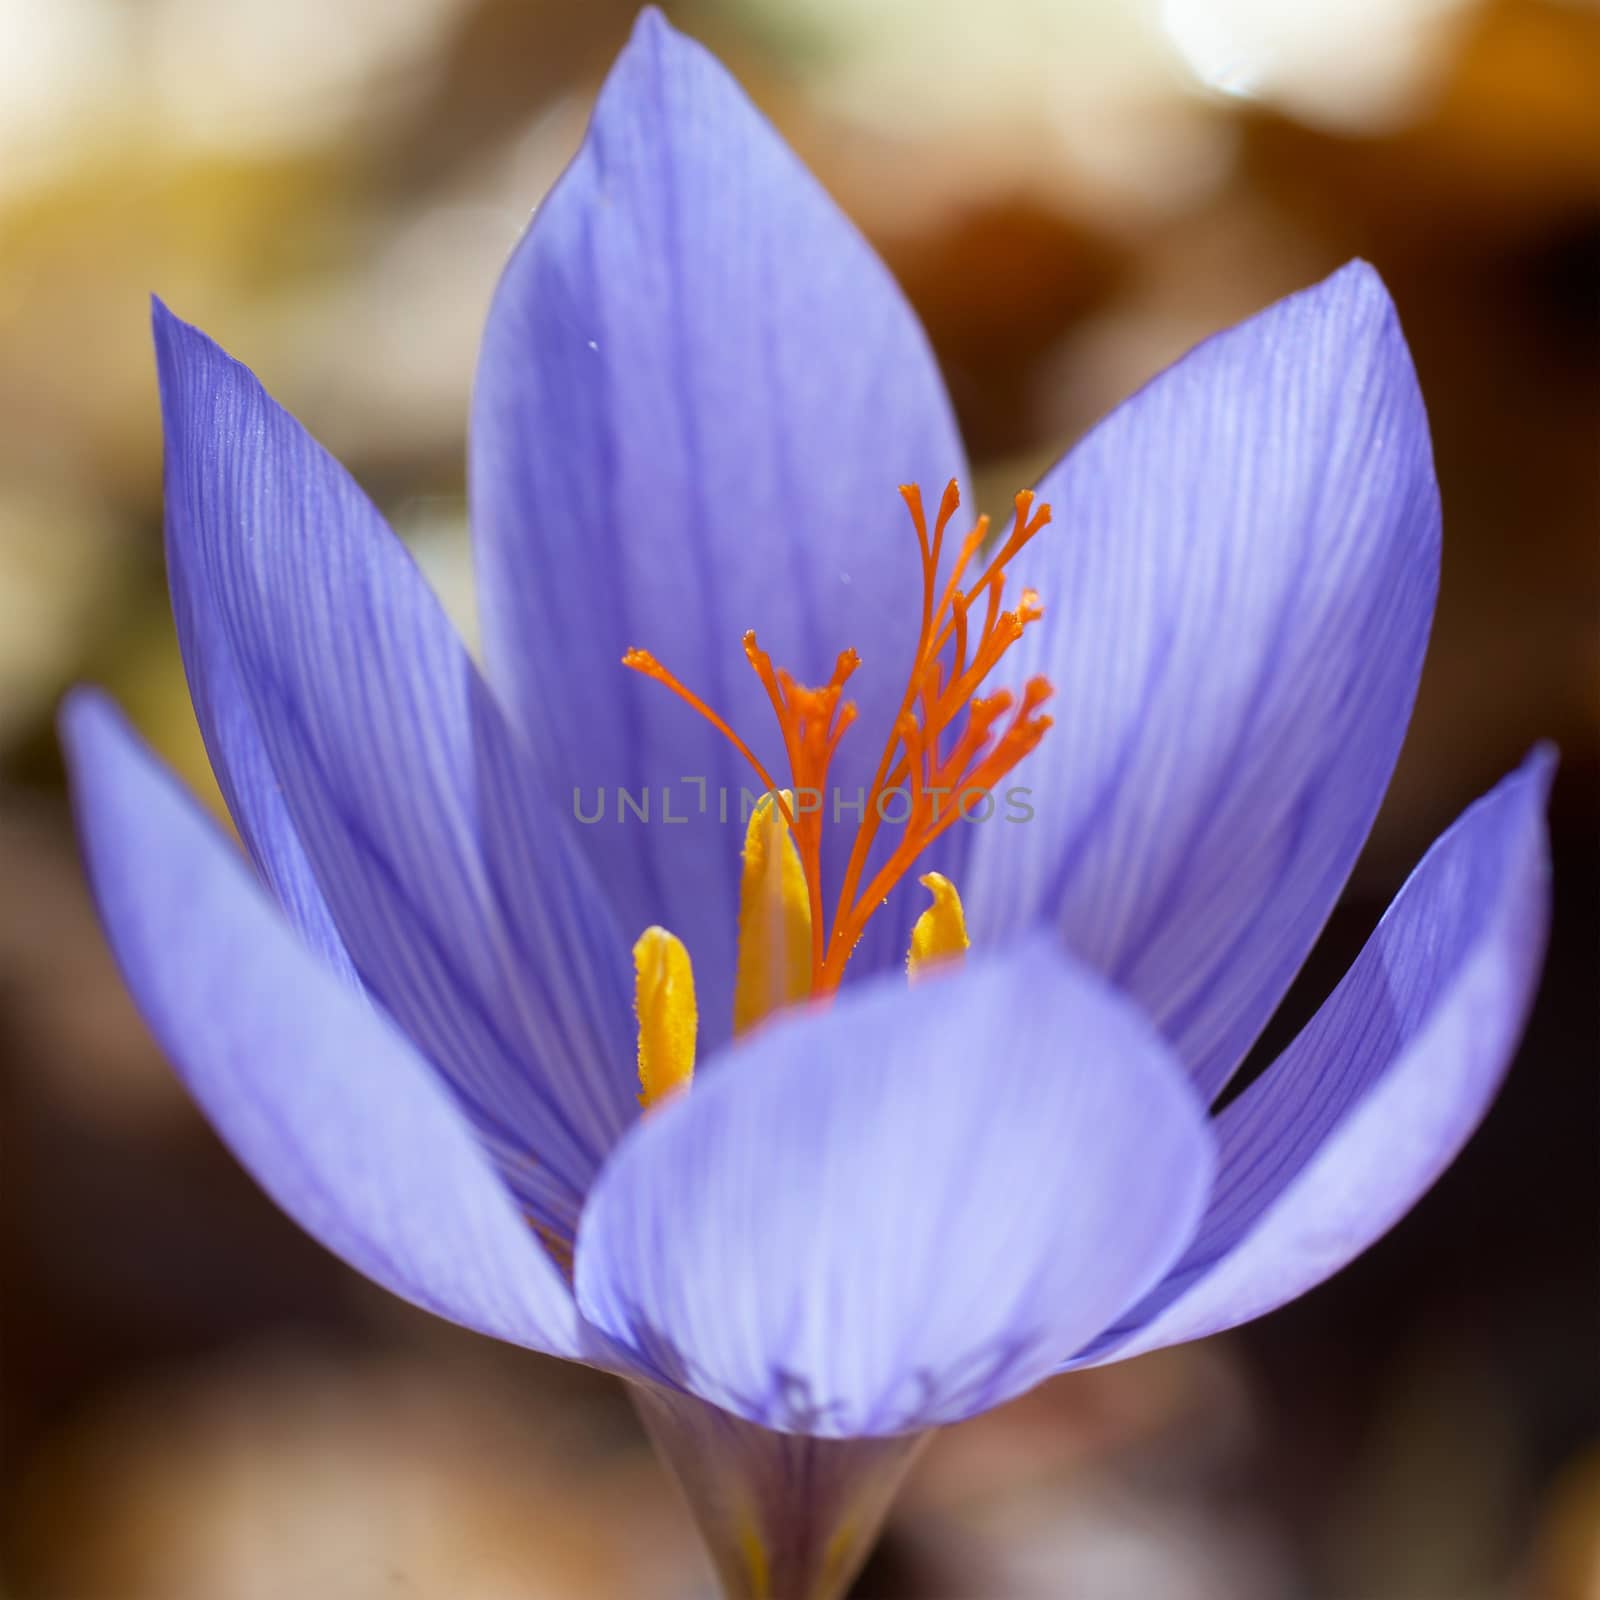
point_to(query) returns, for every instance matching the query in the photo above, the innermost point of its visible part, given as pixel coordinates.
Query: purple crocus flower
(417, 1020)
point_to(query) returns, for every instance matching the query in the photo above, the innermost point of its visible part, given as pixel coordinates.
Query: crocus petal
(233, 740)
(698, 392)
(451, 882)
(1238, 592)
(883, 1216)
(1358, 1117)
(327, 1106)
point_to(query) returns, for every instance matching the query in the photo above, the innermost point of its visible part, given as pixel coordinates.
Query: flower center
(947, 748)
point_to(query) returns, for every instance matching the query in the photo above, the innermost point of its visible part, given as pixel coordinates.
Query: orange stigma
(932, 770)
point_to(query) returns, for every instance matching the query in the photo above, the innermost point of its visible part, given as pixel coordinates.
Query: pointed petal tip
(98, 742)
(179, 347)
(1525, 790)
(650, 24)
(166, 326)
(78, 706)
(1359, 274)
(86, 718)
(653, 41)
(1357, 277)
(182, 345)
(1369, 302)
(1355, 294)
(655, 46)
(1540, 766)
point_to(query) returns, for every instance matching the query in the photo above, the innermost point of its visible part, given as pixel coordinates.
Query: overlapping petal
(233, 741)
(887, 1215)
(1373, 1100)
(319, 1097)
(1238, 594)
(451, 884)
(698, 392)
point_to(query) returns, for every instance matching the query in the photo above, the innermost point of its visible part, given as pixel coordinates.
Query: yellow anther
(664, 1002)
(940, 934)
(774, 918)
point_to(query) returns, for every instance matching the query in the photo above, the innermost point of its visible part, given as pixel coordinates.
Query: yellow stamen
(940, 934)
(668, 1020)
(774, 916)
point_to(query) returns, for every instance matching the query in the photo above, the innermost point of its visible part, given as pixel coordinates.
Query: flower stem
(784, 1517)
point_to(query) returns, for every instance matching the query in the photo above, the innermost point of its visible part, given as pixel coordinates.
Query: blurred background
(197, 1401)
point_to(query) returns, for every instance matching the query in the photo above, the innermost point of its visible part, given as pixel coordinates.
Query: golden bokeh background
(198, 1403)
